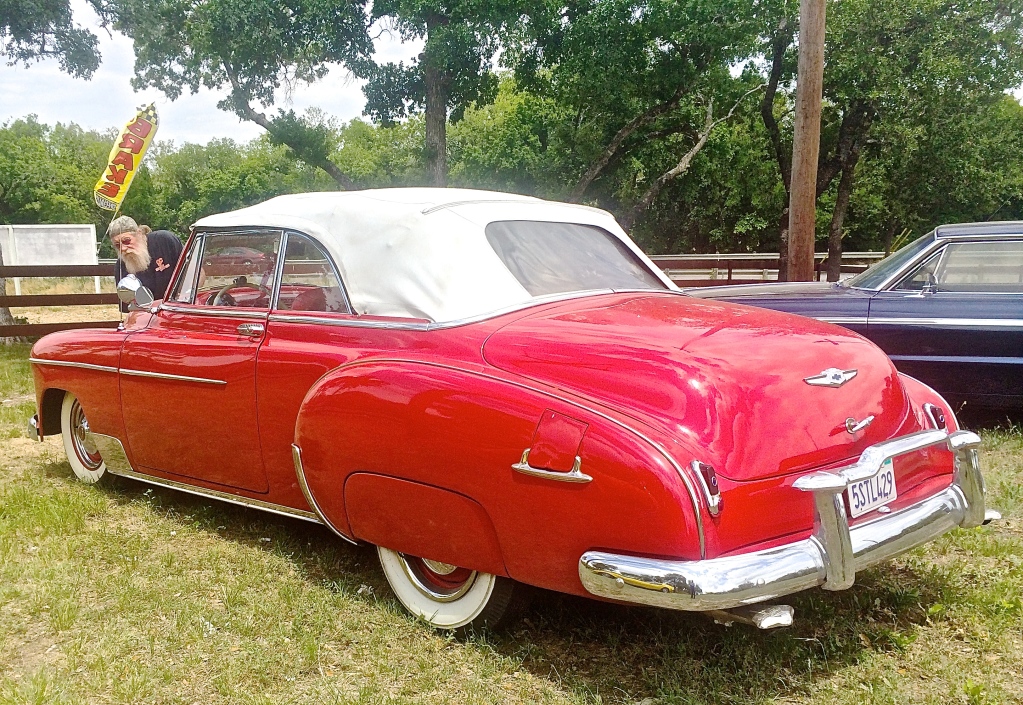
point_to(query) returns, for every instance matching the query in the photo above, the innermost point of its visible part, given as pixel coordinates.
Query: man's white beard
(136, 262)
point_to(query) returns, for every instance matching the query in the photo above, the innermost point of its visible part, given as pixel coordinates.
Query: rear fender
(431, 427)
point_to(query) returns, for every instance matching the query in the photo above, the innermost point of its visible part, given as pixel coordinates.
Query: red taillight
(710, 486)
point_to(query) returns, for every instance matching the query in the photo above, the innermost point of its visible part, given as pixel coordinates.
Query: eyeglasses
(120, 241)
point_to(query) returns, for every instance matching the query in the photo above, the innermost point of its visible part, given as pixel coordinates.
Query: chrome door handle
(252, 330)
(574, 475)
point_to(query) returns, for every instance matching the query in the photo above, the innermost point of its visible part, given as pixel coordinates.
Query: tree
(453, 71)
(35, 29)
(893, 63)
(253, 48)
(635, 71)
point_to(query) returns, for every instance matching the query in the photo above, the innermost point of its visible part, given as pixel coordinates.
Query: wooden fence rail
(34, 330)
(684, 270)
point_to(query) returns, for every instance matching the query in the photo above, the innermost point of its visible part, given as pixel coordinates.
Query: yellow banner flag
(125, 157)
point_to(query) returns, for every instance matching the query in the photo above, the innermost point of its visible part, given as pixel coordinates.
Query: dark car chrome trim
(956, 358)
(296, 456)
(830, 558)
(112, 451)
(216, 312)
(843, 320)
(951, 322)
(65, 363)
(162, 375)
(686, 480)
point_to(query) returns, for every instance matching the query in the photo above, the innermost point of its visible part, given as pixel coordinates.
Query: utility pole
(806, 141)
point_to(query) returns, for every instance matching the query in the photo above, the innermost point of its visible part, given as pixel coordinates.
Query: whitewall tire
(82, 454)
(445, 596)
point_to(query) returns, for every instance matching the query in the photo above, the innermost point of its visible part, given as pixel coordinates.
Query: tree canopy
(36, 29)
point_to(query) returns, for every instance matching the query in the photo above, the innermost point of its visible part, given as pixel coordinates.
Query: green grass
(125, 594)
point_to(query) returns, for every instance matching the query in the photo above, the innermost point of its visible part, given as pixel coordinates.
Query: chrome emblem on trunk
(831, 377)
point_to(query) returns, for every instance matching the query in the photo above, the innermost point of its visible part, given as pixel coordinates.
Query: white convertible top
(418, 252)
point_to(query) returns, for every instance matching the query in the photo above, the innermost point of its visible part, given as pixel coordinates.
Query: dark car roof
(1006, 227)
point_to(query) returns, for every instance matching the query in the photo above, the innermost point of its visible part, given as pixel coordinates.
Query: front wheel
(82, 454)
(446, 596)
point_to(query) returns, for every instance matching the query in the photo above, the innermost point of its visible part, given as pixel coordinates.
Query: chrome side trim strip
(955, 358)
(64, 363)
(161, 375)
(112, 451)
(346, 322)
(398, 325)
(843, 320)
(296, 455)
(686, 480)
(215, 312)
(951, 322)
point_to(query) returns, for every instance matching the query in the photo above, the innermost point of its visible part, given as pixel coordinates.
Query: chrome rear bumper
(829, 558)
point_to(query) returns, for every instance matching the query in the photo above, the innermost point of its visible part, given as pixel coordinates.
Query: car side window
(983, 267)
(184, 287)
(309, 281)
(238, 269)
(924, 275)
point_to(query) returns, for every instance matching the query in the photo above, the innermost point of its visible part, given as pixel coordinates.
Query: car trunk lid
(725, 380)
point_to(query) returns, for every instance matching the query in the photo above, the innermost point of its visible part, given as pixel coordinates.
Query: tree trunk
(783, 245)
(781, 41)
(435, 79)
(845, 187)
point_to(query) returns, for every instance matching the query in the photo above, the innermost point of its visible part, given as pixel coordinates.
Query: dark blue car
(947, 308)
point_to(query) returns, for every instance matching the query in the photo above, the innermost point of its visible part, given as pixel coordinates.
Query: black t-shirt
(164, 251)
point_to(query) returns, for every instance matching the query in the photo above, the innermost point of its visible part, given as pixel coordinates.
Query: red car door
(188, 381)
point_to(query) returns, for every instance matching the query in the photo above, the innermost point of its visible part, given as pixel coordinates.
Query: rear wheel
(446, 596)
(82, 454)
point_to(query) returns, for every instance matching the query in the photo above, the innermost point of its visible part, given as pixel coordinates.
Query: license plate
(874, 492)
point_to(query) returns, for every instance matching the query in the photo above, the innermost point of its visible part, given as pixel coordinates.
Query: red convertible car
(496, 390)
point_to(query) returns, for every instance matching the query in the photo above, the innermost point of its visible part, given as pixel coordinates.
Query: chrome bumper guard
(830, 558)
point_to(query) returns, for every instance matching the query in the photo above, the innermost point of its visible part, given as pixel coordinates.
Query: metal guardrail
(34, 330)
(720, 269)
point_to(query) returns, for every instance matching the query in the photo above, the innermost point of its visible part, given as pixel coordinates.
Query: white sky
(108, 100)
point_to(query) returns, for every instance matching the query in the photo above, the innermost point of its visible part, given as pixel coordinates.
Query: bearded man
(149, 255)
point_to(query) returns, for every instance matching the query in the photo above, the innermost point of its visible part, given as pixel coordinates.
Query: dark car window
(982, 267)
(553, 258)
(923, 276)
(309, 282)
(237, 269)
(877, 275)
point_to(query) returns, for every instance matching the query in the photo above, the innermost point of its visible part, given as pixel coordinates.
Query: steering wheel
(223, 298)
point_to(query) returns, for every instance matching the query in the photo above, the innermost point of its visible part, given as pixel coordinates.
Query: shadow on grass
(616, 652)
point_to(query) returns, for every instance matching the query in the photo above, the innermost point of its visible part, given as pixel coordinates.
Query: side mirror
(130, 291)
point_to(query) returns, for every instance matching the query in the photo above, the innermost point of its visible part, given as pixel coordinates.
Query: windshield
(874, 277)
(554, 258)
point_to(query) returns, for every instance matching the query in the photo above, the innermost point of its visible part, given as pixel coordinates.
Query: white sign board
(48, 244)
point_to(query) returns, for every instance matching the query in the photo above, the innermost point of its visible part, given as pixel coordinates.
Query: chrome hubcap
(85, 448)
(442, 582)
